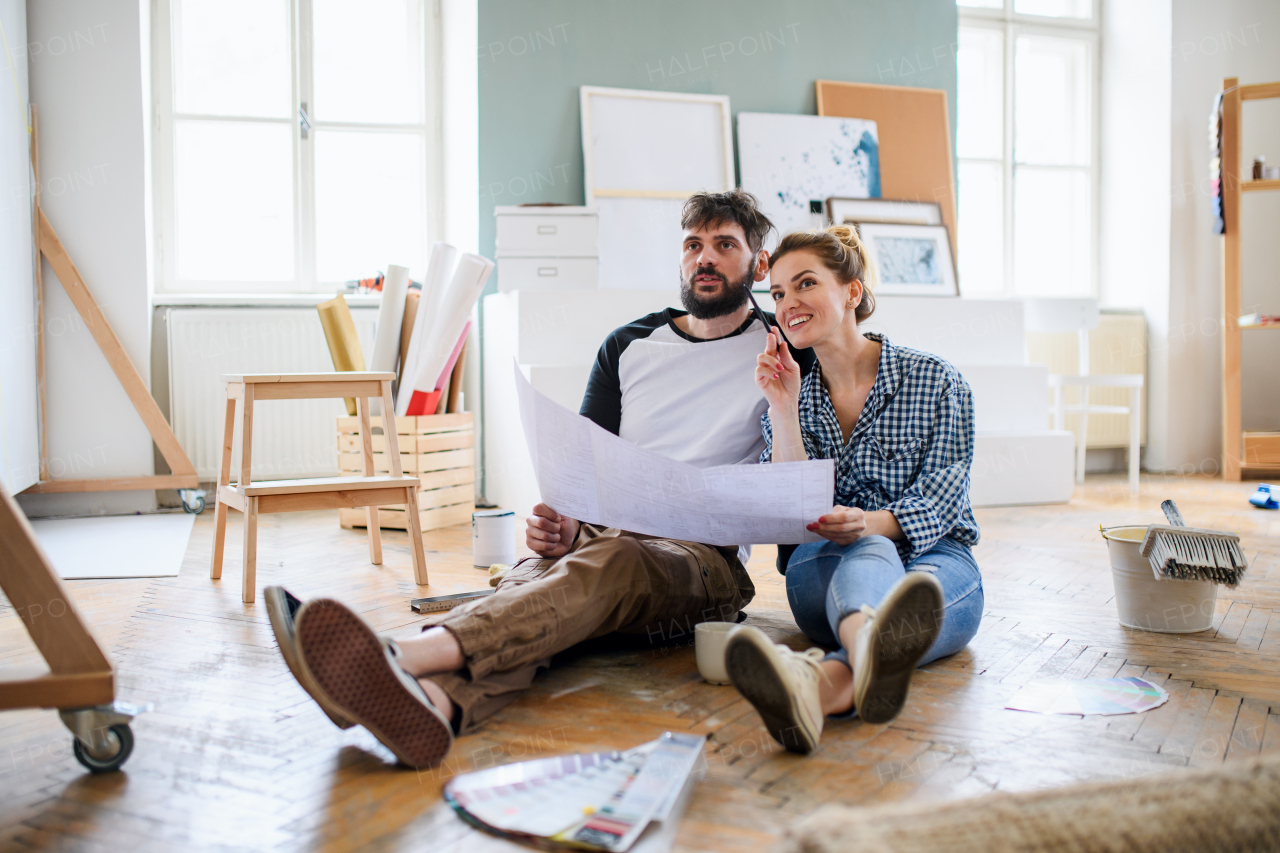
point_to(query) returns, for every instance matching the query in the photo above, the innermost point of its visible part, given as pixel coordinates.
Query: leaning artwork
(791, 162)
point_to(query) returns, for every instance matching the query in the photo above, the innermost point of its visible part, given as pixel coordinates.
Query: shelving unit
(1241, 451)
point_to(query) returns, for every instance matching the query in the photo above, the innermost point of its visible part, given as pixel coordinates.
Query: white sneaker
(891, 643)
(781, 684)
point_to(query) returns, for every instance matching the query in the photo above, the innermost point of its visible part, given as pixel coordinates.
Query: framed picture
(850, 211)
(912, 260)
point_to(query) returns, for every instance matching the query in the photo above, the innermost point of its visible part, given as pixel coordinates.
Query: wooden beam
(320, 376)
(1260, 91)
(115, 484)
(40, 369)
(112, 349)
(300, 502)
(36, 687)
(42, 602)
(316, 390)
(1262, 450)
(1231, 434)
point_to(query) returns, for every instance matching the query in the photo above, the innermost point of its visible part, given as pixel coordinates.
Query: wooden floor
(236, 757)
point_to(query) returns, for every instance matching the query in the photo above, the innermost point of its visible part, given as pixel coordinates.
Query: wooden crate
(438, 449)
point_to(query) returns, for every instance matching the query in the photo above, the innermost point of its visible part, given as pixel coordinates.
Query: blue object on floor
(1263, 499)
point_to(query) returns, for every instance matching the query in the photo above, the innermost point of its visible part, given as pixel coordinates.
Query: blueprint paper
(588, 473)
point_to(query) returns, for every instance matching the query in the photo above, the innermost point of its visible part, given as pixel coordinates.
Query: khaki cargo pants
(611, 581)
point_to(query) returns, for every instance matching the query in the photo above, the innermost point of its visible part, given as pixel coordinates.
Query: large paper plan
(588, 473)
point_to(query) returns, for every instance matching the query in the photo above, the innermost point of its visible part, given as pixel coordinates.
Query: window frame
(1012, 24)
(164, 121)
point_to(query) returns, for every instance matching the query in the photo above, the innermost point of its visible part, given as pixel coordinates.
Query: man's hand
(548, 533)
(843, 525)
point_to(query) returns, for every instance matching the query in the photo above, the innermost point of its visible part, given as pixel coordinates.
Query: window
(1027, 144)
(295, 142)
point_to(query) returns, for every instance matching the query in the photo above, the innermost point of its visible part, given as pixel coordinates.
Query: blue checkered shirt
(910, 451)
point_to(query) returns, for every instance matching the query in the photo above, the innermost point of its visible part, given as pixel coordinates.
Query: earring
(850, 305)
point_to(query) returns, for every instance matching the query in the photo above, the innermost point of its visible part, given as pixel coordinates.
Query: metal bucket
(1163, 606)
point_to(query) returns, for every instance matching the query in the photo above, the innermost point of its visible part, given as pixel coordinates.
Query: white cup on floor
(709, 640)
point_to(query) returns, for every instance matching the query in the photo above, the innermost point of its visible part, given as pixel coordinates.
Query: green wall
(534, 54)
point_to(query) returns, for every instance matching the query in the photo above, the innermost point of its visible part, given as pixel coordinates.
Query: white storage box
(546, 231)
(547, 274)
(547, 248)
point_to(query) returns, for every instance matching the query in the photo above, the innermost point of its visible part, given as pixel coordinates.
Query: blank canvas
(115, 546)
(664, 143)
(788, 161)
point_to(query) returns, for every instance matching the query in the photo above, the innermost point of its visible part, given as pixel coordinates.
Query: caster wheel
(121, 735)
(197, 508)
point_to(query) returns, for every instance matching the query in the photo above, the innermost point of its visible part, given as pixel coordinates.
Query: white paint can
(493, 537)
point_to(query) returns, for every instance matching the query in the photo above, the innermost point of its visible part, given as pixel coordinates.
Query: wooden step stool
(267, 496)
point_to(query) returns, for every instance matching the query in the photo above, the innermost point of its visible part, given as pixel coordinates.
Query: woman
(895, 585)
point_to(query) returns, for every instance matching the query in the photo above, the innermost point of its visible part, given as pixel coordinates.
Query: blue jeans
(827, 582)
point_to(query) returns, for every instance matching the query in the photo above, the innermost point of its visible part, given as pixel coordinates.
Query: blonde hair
(842, 251)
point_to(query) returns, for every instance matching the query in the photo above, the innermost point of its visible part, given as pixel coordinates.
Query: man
(677, 382)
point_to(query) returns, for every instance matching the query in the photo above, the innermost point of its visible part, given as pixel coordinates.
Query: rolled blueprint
(439, 270)
(386, 344)
(447, 326)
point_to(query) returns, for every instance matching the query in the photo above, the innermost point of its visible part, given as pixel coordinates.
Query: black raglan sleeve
(602, 402)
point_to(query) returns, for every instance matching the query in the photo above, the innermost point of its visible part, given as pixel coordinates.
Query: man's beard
(730, 298)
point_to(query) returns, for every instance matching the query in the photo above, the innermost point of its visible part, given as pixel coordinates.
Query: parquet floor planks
(236, 757)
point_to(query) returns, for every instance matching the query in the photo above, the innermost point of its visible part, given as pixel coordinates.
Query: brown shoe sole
(907, 627)
(281, 625)
(752, 667)
(349, 664)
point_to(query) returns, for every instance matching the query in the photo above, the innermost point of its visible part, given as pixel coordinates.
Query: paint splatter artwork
(908, 260)
(790, 161)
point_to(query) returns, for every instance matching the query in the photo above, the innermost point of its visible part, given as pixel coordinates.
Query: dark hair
(841, 251)
(737, 206)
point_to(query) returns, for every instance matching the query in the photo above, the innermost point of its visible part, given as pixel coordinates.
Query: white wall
(1213, 40)
(460, 107)
(89, 67)
(19, 424)
(1134, 201)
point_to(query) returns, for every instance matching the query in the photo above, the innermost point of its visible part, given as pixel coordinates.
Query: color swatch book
(596, 801)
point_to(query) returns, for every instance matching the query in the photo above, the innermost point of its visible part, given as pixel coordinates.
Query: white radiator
(291, 438)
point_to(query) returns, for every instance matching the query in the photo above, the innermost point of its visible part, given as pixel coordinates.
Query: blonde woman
(895, 585)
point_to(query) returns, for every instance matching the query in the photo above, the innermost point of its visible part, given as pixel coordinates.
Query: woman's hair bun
(841, 250)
